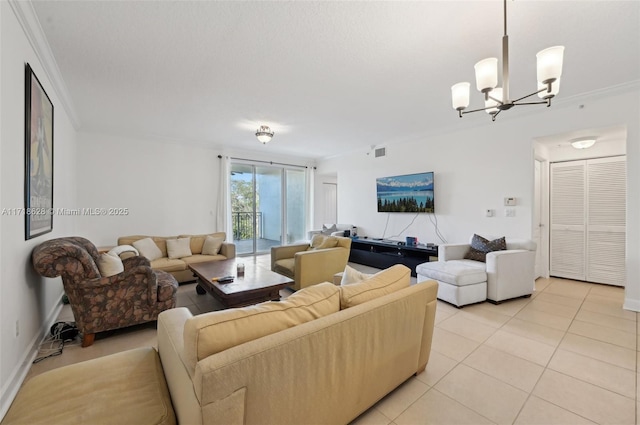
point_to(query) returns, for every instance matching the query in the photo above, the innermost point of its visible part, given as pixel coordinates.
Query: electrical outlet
(17, 328)
(510, 212)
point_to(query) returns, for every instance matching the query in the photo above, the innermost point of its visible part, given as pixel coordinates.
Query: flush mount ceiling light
(583, 143)
(496, 99)
(264, 134)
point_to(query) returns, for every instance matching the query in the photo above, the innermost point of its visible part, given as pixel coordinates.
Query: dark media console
(385, 253)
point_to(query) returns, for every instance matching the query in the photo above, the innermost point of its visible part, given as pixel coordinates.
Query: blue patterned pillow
(481, 246)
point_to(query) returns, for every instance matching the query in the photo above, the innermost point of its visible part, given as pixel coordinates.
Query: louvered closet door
(567, 239)
(606, 222)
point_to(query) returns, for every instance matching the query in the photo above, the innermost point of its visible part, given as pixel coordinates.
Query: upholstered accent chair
(311, 263)
(136, 295)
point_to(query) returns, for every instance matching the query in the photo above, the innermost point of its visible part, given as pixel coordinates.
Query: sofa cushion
(148, 248)
(122, 388)
(212, 245)
(110, 265)
(481, 246)
(454, 272)
(210, 333)
(200, 258)
(351, 276)
(197, 241)
(382, 283)
(168, 264)
(286, 266)
(178, 248)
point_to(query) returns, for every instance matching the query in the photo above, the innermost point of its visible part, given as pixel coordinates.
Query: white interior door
(588, 220)
(330, 203)
(606, 221)
(567, 251)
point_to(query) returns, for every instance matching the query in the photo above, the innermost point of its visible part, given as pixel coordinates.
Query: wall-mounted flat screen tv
(412, 193)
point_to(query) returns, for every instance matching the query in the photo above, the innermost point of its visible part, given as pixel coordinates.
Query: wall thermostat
(509, 202)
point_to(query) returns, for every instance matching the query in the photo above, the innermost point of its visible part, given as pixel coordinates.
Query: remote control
(223, 279)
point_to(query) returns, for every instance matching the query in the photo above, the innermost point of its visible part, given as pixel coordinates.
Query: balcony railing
(242, 223)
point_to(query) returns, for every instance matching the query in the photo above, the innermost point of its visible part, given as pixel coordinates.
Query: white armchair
(505, 274)
(510, 273)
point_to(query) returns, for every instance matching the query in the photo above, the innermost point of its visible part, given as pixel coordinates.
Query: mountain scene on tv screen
(408, 193)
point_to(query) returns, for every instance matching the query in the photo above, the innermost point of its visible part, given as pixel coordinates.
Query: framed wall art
(38, 158)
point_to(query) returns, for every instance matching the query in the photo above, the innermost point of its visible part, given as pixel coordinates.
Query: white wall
(25, 297)
(168, 188)
(475, 168)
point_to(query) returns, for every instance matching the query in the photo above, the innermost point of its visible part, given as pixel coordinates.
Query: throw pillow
(110, 265)
(179, 248)
(211, 245)
(480, 247)
(123, 249)
(352, 275)
(316, 241)
(382, 283)
(328, 242)
(148, 248)
(328, 230)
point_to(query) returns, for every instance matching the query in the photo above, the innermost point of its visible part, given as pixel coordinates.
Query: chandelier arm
(532, 94)
(476, 110)
(531, 103)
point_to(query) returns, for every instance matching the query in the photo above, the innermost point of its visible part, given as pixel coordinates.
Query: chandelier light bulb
(491, 104)
(460, 95)
(550, 64)
(486, 74)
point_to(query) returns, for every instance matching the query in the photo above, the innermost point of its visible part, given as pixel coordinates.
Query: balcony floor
(245, 246)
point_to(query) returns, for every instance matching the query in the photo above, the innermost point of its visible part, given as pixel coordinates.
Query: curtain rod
(268, 162)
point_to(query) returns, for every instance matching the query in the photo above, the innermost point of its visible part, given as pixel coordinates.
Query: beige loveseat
(322, 356)
(311, 263)
(179, 267)
(350, 346)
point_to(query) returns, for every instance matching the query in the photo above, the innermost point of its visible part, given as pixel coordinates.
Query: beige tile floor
(567, 355)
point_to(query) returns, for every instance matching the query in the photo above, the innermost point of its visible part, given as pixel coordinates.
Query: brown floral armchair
(136, 295)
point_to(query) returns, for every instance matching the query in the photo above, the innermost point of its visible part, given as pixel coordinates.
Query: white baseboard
(10, 390)
(631, 304)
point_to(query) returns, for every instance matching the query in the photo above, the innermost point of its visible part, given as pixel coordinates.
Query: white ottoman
(460, 282)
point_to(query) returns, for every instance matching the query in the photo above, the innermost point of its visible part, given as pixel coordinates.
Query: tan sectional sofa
(335, 353)
(179, 267)
(322, 356)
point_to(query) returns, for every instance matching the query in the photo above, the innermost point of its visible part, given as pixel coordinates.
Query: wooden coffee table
(255, 286)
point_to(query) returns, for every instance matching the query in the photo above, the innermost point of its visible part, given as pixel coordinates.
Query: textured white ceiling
(327, 76)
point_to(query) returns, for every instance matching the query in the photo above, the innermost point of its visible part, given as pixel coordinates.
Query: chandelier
(264, 134)
(496, 99)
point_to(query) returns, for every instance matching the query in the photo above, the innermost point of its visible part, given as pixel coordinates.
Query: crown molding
(28, 19)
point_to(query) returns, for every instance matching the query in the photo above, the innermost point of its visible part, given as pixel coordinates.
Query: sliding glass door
(264, 201)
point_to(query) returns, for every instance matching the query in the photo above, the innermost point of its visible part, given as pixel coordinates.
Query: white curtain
(223, 217)
(309, 204)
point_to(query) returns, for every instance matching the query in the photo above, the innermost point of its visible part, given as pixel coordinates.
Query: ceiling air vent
(380, 152)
